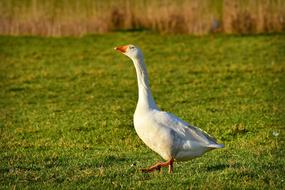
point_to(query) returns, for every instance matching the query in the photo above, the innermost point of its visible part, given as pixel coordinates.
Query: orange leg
(159, 165)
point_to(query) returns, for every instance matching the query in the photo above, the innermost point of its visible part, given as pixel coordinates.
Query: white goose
(166, 134)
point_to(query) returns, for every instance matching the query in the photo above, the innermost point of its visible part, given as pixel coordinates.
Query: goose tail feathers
(216, 146)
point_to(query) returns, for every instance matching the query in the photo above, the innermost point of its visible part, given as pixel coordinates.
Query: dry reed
(71, 17)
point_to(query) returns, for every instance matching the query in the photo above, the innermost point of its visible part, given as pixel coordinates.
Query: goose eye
(132, 47)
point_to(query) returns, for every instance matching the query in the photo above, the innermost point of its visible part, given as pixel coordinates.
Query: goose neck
(145, 100)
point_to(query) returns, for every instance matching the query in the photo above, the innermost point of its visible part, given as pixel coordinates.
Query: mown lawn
(66, 107)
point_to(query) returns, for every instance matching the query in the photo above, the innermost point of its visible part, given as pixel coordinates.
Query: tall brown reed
(71, 17)
(255, 16)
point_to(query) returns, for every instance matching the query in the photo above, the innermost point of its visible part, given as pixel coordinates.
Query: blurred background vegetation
(76, 18)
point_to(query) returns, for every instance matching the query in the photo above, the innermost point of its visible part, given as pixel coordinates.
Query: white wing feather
(183, 129)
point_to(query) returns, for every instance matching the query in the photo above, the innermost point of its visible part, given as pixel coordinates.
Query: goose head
(131, 51)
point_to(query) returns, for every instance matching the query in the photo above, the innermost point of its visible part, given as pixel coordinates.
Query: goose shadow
(221, 166)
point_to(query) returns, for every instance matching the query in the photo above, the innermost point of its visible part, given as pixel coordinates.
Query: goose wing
(183, 129)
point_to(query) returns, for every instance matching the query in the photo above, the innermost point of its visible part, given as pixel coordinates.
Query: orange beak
(122, 49)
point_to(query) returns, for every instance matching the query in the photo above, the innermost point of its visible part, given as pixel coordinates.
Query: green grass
(66, 107)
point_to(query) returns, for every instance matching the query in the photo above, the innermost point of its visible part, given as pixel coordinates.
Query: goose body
(163, 132)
